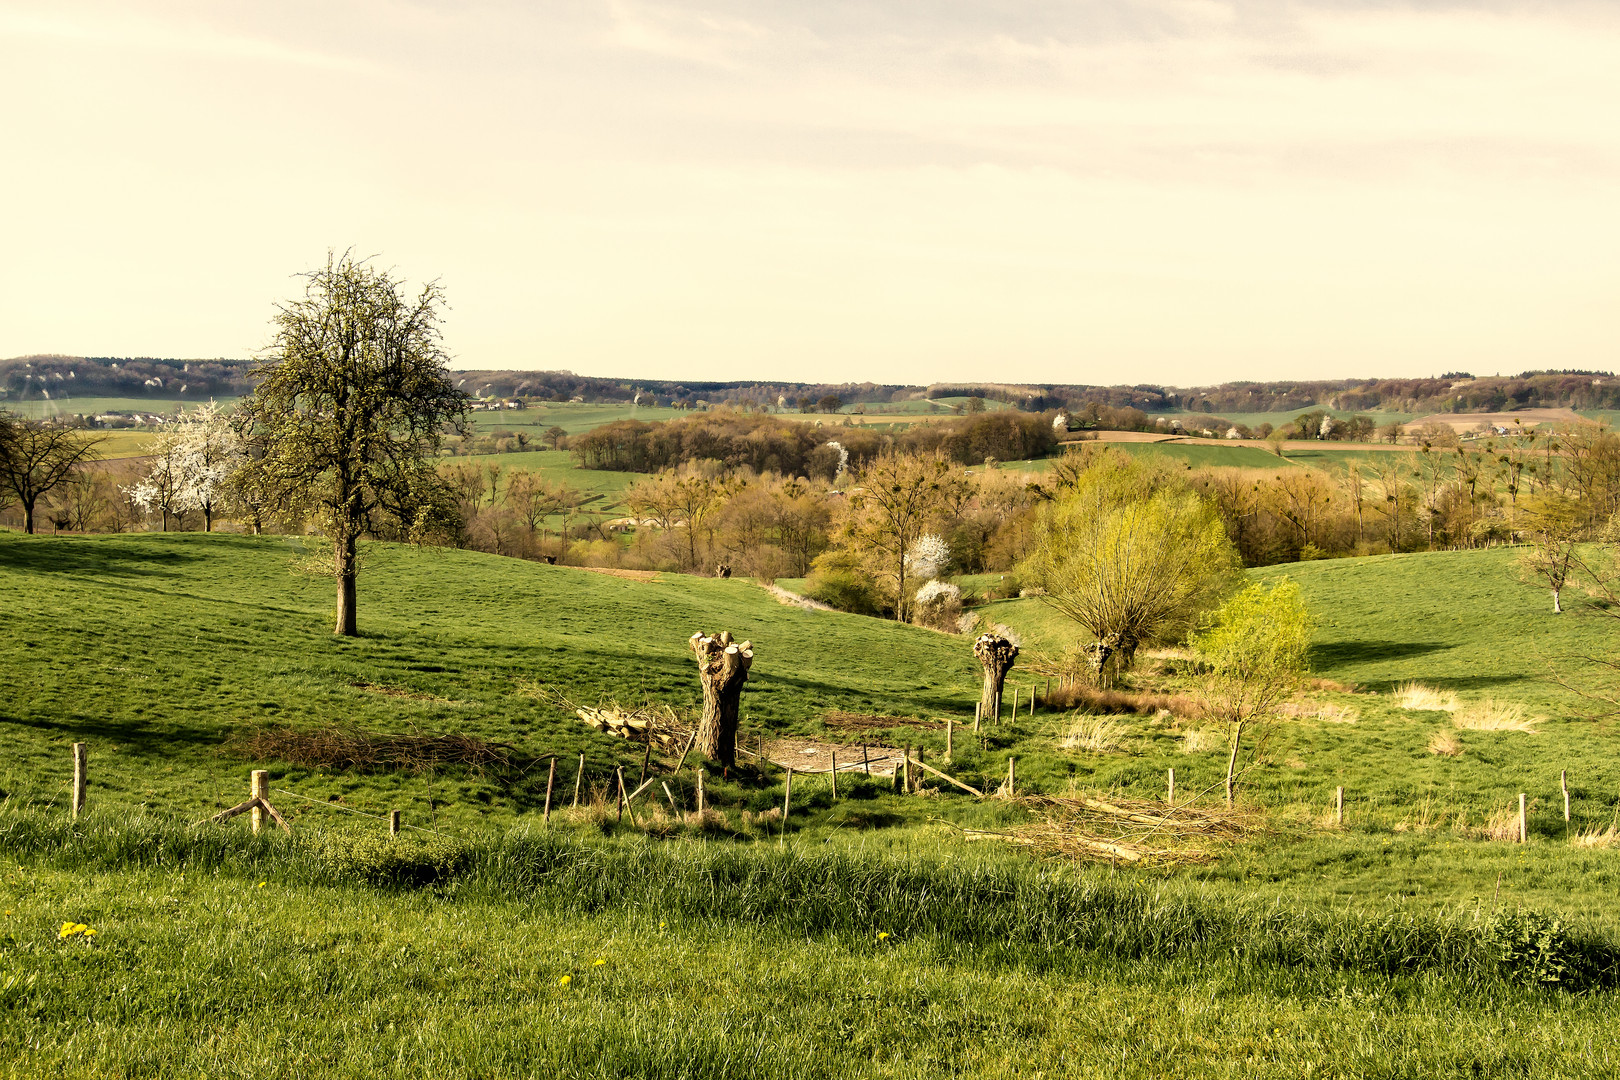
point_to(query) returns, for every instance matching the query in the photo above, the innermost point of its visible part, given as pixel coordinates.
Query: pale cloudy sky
(1093, 191)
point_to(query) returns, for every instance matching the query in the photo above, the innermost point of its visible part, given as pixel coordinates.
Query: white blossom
(928, 555)
(938, 590)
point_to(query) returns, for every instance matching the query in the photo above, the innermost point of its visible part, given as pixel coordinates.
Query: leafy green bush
(839, 581)
(1529, 946)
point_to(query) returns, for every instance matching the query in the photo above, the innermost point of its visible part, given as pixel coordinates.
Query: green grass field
(1308, 950)
(1278, 419)
(34, 408)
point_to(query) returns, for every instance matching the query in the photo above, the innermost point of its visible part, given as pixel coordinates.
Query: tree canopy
(352, 405)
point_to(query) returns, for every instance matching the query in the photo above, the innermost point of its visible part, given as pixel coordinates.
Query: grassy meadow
(864, 938)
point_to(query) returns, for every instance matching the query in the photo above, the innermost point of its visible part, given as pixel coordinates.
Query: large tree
(36, 458)
(895, 499)
(351, 407)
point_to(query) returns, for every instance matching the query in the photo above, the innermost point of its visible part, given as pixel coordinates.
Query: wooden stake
(951, 780)
(1524, 830)
(670, 795)
(916, 778)
(834, 776)
(787, 803)
(619, 772)
(646, 758)
(949, 723)
(1012, 775)
(1171, 799)
(866, 762)
(978, 711)
(690, 739)
(260, 787)
(700, 790)
(911, 783)
(551, 782)
(578, 777)
(393, 823)
(81, 777)
(1563, 782)
(1338, 808)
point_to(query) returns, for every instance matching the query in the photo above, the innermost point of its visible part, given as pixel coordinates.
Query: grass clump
(1096, 734)
(1492, 715)
(1419, 698)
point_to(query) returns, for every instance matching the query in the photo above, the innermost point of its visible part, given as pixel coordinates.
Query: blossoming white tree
(928, 555)
(192, 464)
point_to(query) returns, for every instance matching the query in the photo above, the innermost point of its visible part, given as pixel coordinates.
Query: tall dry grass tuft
(1097, 700)
(1445, 744)
(1098, 734)
(1492, 715)
(1502, 825)
(1425, 698)
(1596, 838)
(1324, 711)
(1202, 740)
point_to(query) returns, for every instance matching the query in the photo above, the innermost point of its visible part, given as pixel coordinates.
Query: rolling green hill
(867, 939)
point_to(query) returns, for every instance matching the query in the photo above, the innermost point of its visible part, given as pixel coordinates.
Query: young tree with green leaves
(1256, 650)
(1129, 551)
(893, 500)
(1551, 558)
(352, 405)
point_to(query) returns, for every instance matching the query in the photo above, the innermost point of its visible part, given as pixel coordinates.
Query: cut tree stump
(723, 668)
(996, 655)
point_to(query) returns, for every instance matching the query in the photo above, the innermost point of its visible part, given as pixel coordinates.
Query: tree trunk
(28, 516)
(996, 654)
(1231, 762)
(1556, 609)
(343, 559)
(722, 668)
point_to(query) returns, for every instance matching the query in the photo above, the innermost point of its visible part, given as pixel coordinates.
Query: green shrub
(371, 858)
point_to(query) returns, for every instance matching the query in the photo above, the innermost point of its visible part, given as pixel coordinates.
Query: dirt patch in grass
(849, 721)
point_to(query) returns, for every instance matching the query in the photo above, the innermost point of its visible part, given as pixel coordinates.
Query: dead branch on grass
(1118, 829)
(658, 724)
(365, 751)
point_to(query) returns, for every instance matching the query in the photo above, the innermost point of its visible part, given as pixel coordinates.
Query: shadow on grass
(1337, 653)
(59, 555)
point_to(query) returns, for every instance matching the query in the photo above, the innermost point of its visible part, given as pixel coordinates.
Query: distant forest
(29, 378)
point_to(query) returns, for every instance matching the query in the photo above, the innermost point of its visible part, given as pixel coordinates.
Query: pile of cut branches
(657, 724)
(1117, 829)
(367, 751)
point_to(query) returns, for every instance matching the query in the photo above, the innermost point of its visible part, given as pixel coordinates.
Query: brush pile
(365, 751)
(1117, 829)
(649, 723)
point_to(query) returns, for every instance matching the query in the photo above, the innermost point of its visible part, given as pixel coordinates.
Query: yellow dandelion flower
(882, 934)
(598, 963)
(69, 929)
(261, 885)
(565, 980)
(660, 925)
(89, 932)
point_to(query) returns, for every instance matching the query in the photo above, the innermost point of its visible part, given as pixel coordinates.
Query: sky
(901, 191)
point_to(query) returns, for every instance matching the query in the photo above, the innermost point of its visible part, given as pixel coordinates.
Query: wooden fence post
(978, 714)
(1012, 775)
(834, 777)
(551, 782)
(916, 781)
(866, 762)
(618, 771)
(949, 723)
(670, 795)
(787, 803)
(1171, 799)
(700, 790)
(646, 759)
(1524, 831)
(578, 777)
(260, 787)
(1563, 782)
(1338, 807)
(393, 823)
(81, 777)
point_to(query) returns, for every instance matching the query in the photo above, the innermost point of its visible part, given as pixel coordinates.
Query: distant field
(1278, 419)
(88, 406)
(572, 417)
(558, 467)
